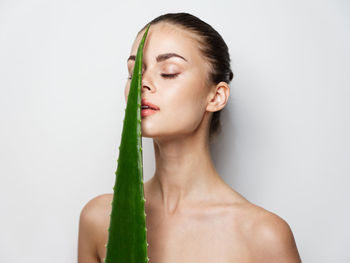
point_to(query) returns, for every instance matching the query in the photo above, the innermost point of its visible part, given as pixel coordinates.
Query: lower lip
(147, 112)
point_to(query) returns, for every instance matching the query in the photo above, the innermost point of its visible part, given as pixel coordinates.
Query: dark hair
(212, 46)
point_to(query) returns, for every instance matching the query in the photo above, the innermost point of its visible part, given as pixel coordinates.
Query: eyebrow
(161, 57)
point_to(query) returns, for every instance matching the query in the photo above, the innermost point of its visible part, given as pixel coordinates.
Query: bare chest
(209, 239)
(193, 237)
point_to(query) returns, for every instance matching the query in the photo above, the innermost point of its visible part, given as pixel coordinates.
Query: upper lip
(144, 102)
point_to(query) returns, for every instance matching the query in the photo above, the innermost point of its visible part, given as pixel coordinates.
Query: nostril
(145, 86)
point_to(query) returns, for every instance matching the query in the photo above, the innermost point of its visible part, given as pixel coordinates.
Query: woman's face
(176, 84)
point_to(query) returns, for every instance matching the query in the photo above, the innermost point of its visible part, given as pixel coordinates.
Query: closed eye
(170, 76)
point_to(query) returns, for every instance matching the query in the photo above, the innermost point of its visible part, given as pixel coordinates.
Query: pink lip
(147, 112)
(144, 102)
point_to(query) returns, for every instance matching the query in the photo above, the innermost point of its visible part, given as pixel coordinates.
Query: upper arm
(89, 232)
(275, 241)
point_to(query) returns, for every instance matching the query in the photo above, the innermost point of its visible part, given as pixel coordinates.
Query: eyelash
(169, 76)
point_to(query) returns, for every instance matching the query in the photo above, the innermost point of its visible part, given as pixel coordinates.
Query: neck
(184, 172)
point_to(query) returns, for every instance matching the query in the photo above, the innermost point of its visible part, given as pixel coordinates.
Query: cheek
(184, 111)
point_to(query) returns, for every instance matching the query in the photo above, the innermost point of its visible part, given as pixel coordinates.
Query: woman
(192, 214)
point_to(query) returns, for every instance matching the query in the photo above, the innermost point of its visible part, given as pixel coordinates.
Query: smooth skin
(192, 214)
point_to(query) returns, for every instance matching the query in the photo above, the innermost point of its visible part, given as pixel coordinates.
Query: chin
(147, 134)
(152, 135)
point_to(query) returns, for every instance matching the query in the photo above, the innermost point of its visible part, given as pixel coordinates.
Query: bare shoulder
(270, 236)
(97, 205)
(94, 211)
(93, 227)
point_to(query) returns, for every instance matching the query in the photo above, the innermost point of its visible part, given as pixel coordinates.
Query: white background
(285, 143)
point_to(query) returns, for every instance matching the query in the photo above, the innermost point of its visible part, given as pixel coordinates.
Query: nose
(146, 83)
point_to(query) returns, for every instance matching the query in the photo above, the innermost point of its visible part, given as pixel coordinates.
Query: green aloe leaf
(127, 241)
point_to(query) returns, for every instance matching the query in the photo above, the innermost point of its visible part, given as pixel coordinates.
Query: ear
(218, 97)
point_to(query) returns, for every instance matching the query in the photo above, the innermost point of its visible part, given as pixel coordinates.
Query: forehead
(167, 38)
